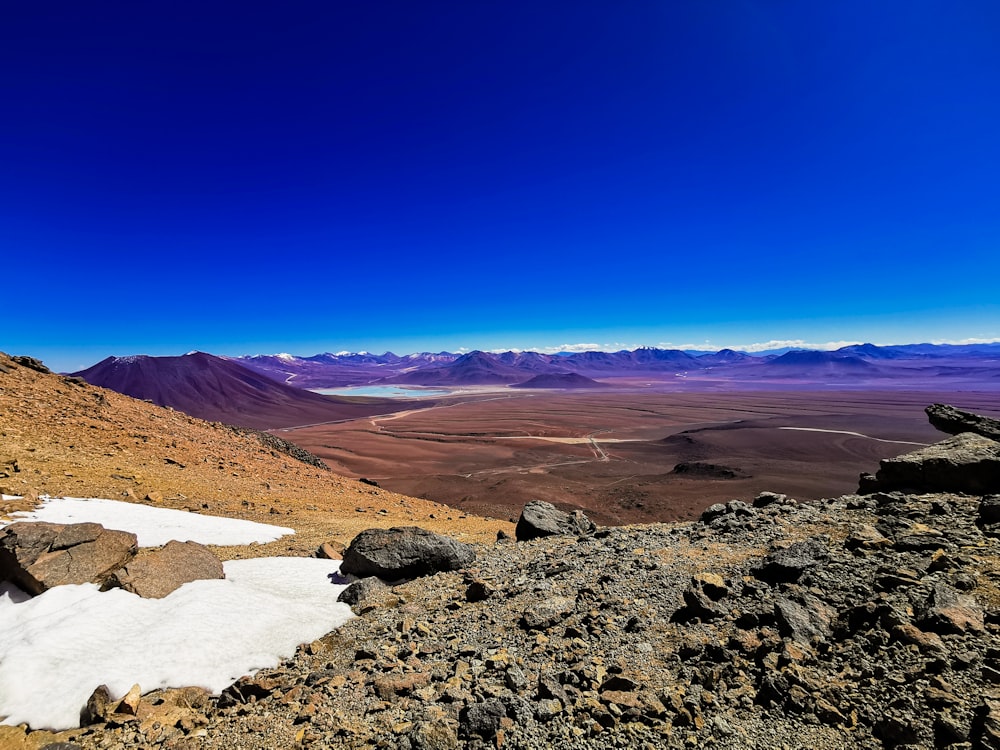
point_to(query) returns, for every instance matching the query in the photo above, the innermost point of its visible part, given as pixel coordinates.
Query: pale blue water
(383, 391)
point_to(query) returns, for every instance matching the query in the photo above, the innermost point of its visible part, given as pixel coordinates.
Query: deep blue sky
(313, 176)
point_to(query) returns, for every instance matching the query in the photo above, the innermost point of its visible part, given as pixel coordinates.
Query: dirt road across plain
(614, 454)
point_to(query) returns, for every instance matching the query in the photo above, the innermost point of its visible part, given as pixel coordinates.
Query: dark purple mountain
(817, 365)
(568, 380)
(475, 368)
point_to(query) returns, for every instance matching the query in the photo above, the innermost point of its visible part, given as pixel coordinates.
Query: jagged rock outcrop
(31, 363)
(403, 552)
(37, 556)
(162, 571)
(539, 518)
(967, 463)
(955, 421)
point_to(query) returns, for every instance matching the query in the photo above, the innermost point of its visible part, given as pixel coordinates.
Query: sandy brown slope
(63, 437)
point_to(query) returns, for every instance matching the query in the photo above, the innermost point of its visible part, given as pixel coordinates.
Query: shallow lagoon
(384, 391)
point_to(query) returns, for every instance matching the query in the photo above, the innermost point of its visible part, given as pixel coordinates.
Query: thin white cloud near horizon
(760, 346)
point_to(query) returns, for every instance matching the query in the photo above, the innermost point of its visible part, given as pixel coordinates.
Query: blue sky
(322, 176)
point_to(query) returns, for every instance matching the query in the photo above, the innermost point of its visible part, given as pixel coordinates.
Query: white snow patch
(130, 359)
(152, 526)
(59, 646)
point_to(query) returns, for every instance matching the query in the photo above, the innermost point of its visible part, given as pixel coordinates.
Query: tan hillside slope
(62, 437)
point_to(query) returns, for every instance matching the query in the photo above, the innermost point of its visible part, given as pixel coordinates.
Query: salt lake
(385, 391)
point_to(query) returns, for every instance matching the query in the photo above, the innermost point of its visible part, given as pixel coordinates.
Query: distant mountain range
(272, 391)
(866, 361)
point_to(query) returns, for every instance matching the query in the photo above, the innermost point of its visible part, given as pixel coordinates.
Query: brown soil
(491, 455)
(62, 437)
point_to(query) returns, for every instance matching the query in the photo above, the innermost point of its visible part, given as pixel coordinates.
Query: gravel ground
(860, 622)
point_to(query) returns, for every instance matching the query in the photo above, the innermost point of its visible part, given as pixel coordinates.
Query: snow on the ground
(153, 526)
(56, 648)
(59, 646)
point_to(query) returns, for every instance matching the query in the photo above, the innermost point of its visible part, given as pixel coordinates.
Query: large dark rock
(161, 572)
(955, 421)
(37, 556)
(403, 552)
(539, 518)
(965, 463)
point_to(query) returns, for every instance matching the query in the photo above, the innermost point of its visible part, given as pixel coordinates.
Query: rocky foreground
(864, 621)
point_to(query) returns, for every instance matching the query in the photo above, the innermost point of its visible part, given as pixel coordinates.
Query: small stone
(129, 704)
(98, 706)
(330, 551)
(866, 537)
(947, 611)
(482, 719)
(805, 623)
(388, 687)
(547, 613)
(366, 592)
(712, 584)
(547, 709)
(787, 565)
(928, 642)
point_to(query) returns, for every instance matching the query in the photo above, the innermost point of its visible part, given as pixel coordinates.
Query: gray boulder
(539, 518)
(403, 552)
(157, 574)
(955, 421)
(37, 556)
(965, 463)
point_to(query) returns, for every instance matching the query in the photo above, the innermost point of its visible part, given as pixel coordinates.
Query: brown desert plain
(631, 457)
